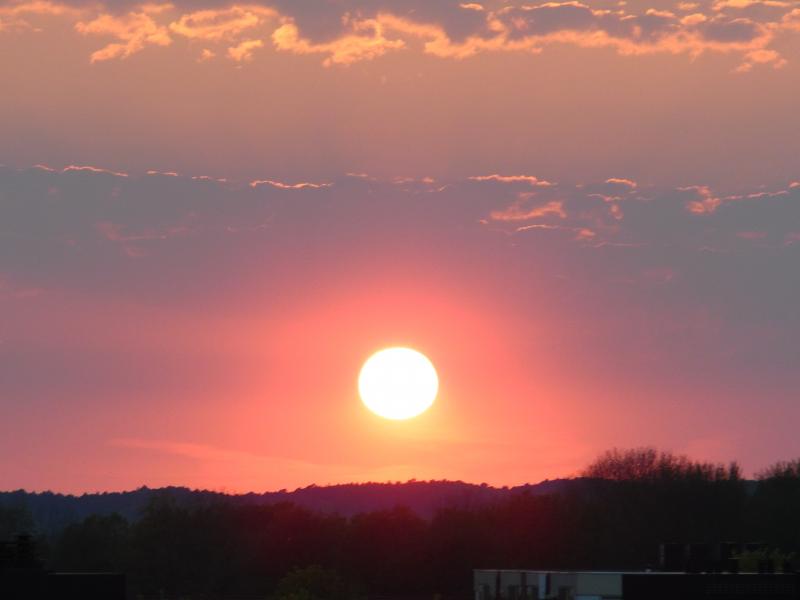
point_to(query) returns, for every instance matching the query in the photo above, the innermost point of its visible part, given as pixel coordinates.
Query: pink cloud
(367, 33)
(693, 19)
(529, 179)
(705, 203)
(243, 52)
(206, 54)
(289, 186)
(90, 169)
(518, 213)
(135, 31)
(721, 5)
(222, 24)
(761, 56)
(13, 16)
(621, 181)
(791, 20)
(367, 40)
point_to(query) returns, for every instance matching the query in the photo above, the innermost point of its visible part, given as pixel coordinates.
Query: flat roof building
(601, 585)
(23, 577)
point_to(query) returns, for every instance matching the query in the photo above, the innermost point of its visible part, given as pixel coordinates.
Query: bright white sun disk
(398, 383)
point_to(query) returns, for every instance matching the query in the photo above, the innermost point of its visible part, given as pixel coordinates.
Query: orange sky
(586, 215)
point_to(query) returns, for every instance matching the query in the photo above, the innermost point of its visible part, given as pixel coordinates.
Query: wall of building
(554, 585)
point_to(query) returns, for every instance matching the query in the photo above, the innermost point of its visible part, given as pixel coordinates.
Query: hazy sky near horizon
(586, 214)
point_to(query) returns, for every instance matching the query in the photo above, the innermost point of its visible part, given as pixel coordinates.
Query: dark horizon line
(312, 486)
(145, 487)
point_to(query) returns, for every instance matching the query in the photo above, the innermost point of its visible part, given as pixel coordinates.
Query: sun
(398, 383)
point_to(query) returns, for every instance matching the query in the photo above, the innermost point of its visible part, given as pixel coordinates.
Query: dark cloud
(736, 30)
(550, 17)
(322, 20)
(87, 228)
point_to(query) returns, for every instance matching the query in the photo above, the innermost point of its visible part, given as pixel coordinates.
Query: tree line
(624, 505)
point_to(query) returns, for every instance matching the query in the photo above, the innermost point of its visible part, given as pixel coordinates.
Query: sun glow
(398, 383)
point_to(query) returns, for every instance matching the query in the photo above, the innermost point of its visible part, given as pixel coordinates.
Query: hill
(51, 512)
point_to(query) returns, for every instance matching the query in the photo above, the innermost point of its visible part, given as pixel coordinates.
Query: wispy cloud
(221, 24)
(289, 186)
(705, 200)
(91, 169)
(243, 52)
(621, 181)
(135, 31)
(518, 212)
(367, 40)
(529, 179)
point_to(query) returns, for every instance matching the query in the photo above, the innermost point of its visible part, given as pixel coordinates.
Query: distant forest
(341, 542)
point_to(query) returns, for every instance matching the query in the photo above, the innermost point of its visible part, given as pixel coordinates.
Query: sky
(587, 215)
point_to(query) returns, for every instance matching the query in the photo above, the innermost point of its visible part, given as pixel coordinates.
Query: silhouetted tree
(312, 583)
(650, 464)
(385, 546)
(99, 543)
(202, 545)
(774, 516)
(14, 520)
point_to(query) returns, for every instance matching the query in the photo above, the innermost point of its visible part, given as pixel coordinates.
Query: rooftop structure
(603, 585)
